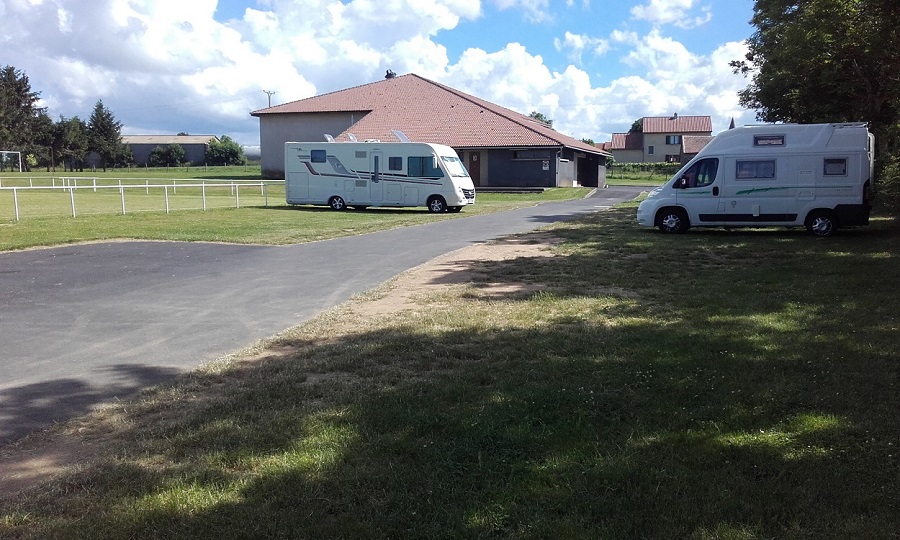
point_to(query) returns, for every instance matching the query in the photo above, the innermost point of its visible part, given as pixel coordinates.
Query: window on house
(650, 150)
(673, 158)
(835, 167)
(423, 167)
(395, 163)
(768, 140)
(318, 156)
(673, 139)
(755, 169)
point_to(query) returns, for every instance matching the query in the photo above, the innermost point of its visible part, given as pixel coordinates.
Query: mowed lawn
(204, 207)
(713, 385)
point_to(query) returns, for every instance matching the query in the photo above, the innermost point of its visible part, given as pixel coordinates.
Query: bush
(888, 187)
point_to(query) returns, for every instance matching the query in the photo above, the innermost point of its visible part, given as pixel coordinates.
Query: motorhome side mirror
(681, 183)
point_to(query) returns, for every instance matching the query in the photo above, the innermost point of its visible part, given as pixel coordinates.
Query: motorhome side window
(835, 167)
(318, 156)
(755, 169)
(395, 163)
(423, 167)
(702, 173)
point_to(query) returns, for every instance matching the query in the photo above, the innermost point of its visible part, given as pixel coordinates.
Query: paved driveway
(82, 325)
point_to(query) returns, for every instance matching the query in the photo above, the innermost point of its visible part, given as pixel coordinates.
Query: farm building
(194, 146)
(500, 147)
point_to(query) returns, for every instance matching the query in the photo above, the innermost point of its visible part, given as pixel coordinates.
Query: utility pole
(268, 93)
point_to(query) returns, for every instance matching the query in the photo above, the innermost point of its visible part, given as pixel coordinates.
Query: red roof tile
(677, 124)
(626, 141)
(692, 144)
(428, 111)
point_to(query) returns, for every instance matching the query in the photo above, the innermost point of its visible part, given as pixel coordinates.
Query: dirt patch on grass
(42, 457)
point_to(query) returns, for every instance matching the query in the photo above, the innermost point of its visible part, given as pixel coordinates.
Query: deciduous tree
(225, 151)
(825, 61)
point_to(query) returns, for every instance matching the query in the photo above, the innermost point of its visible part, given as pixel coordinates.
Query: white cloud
(535, 11)
(576, 44)
(677, 12)
(163, 63)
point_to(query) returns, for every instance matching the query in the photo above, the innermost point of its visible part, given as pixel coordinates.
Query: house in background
(691, 146)
(195, 146)
(500, 147)
(661, 139)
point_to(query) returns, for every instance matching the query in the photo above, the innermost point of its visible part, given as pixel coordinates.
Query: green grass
(733, 385)
(636, 178)
(45, 218)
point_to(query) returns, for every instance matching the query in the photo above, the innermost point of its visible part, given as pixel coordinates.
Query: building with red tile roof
(660, 139)
(500, 147)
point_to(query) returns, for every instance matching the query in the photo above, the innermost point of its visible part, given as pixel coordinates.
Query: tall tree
(105, 135)
(70, 143)
(825, 61)
(20, 117)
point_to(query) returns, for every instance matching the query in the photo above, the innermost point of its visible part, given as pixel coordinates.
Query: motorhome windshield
(454, 166)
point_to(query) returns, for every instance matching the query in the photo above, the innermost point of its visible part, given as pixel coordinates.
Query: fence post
(204, 195)
(166, 189)
(72, 198)
(122, 193)
(16, 202)
(95, 185)
(237, 195)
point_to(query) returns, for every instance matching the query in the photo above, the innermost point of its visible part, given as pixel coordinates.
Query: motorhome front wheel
(673, 220)
(437, 204)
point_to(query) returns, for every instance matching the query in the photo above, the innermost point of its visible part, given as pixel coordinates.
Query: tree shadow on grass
(767, 413)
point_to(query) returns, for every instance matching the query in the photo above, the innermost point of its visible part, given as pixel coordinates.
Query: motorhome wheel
(337, 203)
(437, 204)
(673, 220)
(821, 223)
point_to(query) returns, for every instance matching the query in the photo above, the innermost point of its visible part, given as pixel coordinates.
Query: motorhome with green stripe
(817, 176)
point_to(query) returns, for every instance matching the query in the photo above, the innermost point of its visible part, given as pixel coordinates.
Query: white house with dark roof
(660, 140)
(500, 147)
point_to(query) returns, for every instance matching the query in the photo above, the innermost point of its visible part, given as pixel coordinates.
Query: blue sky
(200, 66)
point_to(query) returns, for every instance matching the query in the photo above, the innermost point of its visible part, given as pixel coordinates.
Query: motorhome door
(698, 189)
(376, 186)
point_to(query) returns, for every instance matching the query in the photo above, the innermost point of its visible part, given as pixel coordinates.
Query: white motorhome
(363, 174)
(813, 175)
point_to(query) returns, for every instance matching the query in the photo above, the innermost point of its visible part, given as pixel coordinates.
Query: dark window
(673, 158)
(650, 150)
(395, 163)
(768, 140)
(532, 154)
(673, 139)
(835, 167)
(745, 170)
(318, 156)
(701, 173)
(423, 167)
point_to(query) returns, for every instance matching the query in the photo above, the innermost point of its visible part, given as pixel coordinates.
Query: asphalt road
(83, 325)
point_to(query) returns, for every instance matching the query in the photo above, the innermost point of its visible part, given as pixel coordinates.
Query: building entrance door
(474, 167)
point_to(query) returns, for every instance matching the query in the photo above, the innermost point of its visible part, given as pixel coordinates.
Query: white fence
(146, 191)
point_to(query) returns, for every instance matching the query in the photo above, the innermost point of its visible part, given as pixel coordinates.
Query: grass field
(713, 385)
(234, 213)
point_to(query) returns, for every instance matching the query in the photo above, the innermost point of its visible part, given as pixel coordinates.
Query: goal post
(10, 158)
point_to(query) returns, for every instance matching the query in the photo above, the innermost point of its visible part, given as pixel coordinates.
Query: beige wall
(660, 148)
(277, 129)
